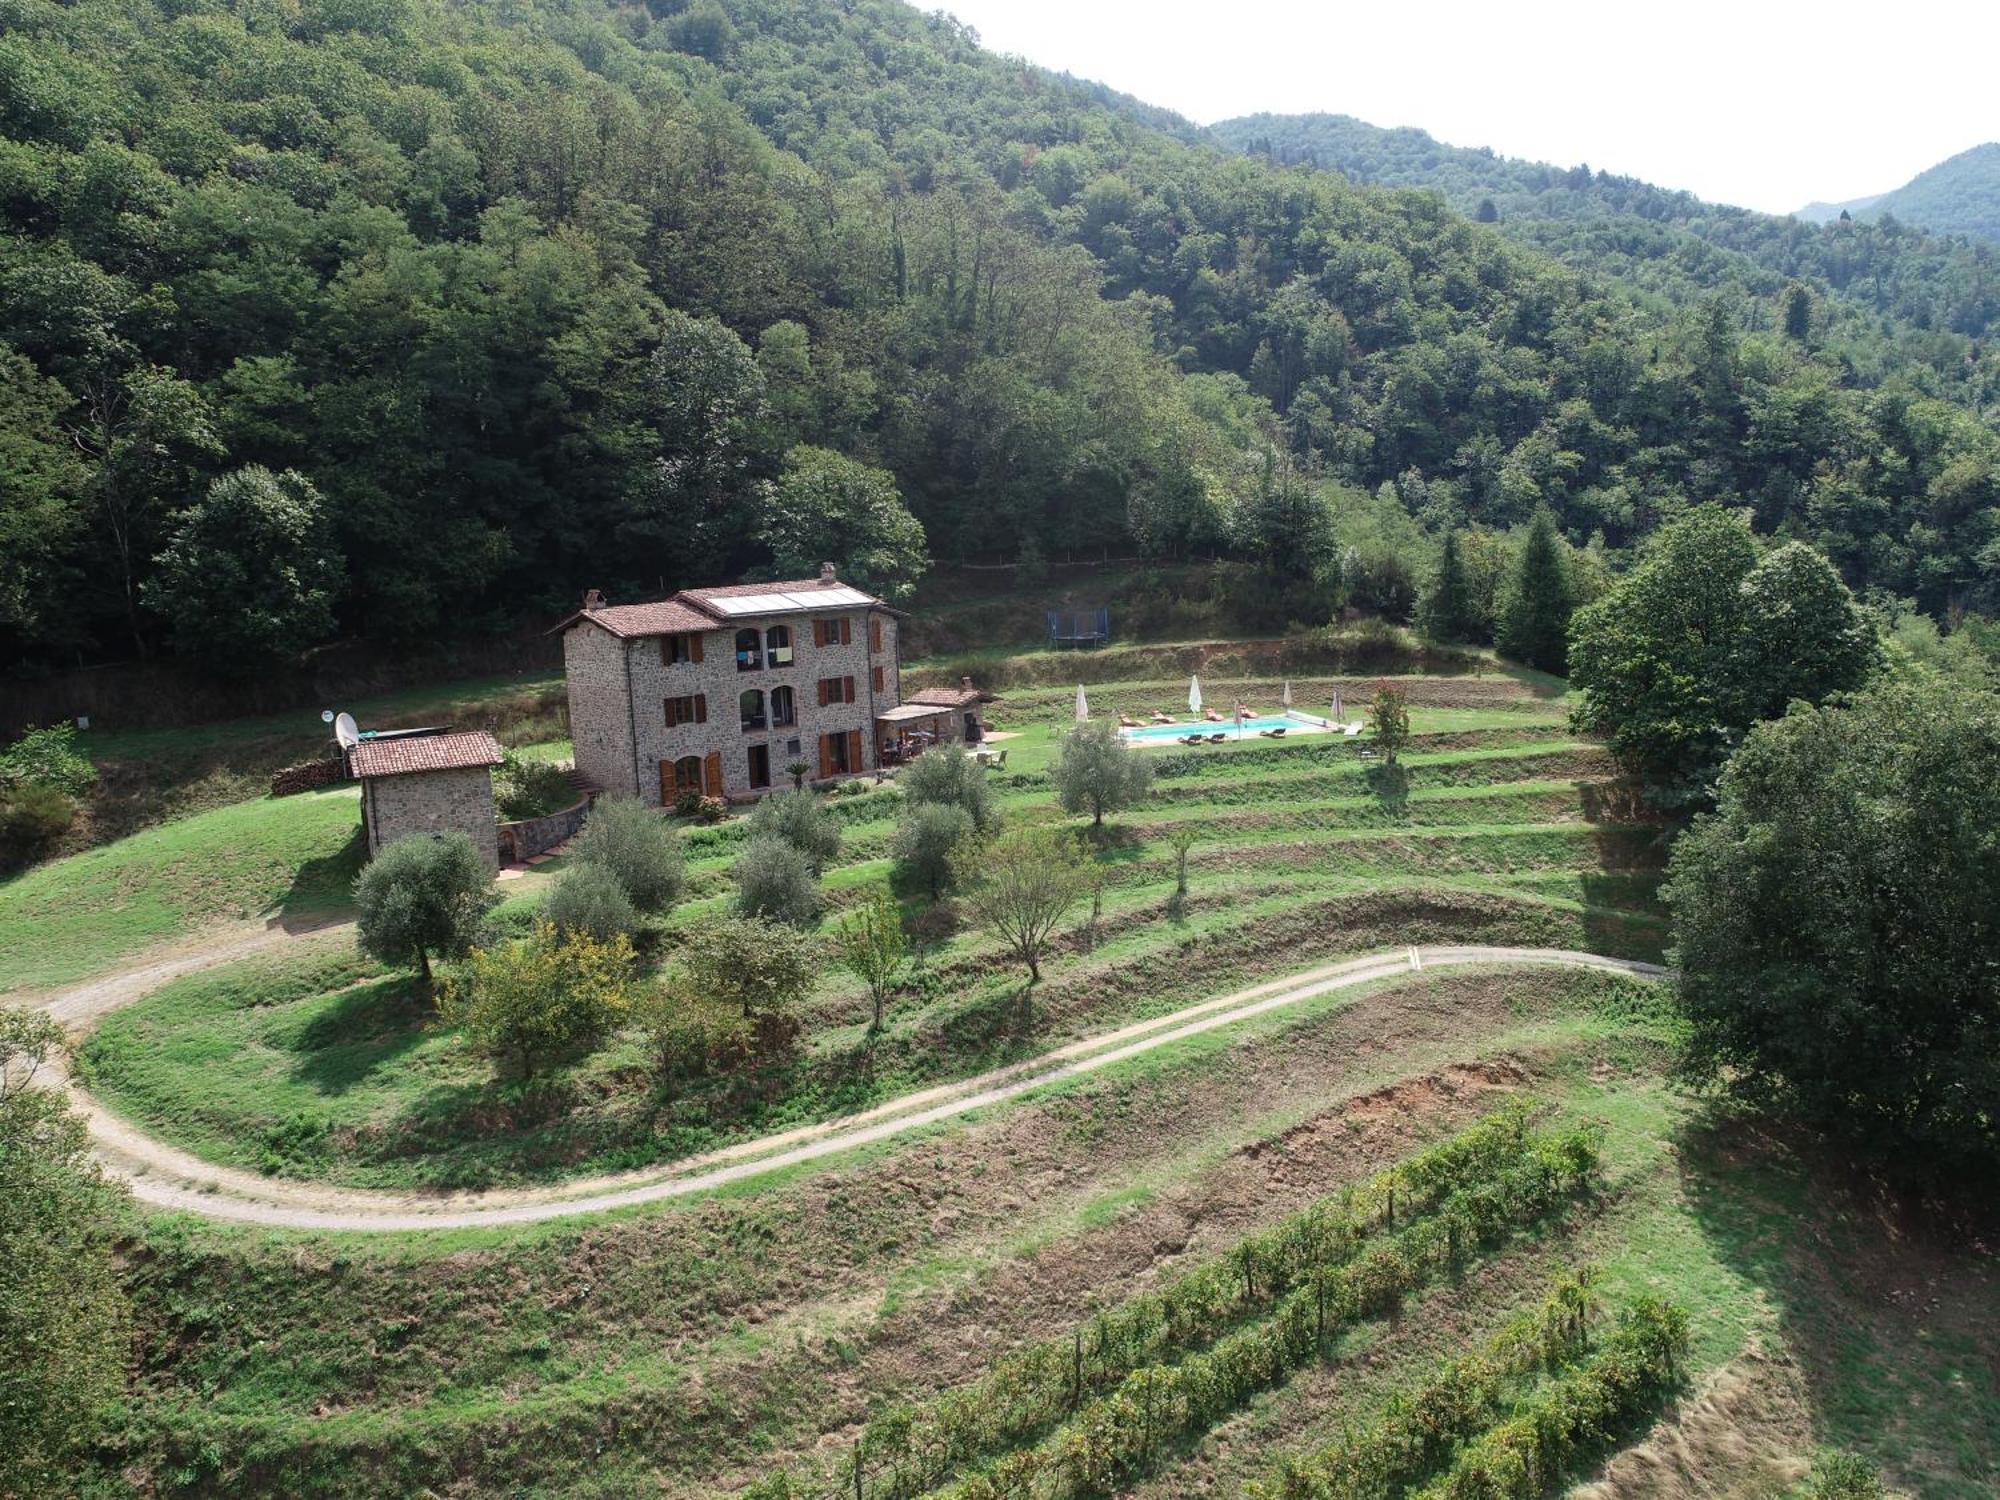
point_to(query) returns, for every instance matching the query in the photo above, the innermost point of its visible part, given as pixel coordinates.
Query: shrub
(927, 843)
(687, 802)
(1838, 1476)
(711, 810)
(748, 963)
(1389, 720)
(775, 880)
(801, 820)
(422, 898)
(533, 996)
(32, 817)
(1097, 772)
(589, 899)
(47, 756)
(637, 846)
(947, 776)
(690, 1034)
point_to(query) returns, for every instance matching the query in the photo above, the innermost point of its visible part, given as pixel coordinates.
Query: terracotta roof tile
(662, 617)
(945, 697)
(424, 752)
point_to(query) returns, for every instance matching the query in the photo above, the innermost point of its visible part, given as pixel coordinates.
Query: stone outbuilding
(428, 783)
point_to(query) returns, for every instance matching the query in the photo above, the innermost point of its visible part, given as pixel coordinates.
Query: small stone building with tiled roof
(716, 691)
(429, 784)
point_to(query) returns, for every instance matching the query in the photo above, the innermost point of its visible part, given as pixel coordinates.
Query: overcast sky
(1751, 102)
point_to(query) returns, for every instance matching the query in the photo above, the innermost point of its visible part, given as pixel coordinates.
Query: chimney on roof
(593, 599)
(965, 683)
(826, 573)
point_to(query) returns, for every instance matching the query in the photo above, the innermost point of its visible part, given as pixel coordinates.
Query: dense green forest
(493, 301)
(1960, 195)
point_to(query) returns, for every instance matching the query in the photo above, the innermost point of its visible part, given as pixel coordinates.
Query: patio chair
(1278, 733)
(1160, 718)
(1217, 739)
(1191, 739)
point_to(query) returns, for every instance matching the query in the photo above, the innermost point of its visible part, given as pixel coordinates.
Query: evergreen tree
(1540, 597)
(1447, 611)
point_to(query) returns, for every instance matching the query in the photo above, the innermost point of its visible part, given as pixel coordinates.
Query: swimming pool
(1167, 734)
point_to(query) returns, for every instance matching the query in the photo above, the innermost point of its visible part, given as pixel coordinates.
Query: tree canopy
(1835, 927)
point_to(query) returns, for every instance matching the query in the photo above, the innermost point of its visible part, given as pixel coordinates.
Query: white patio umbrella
(1336, 705)
(1082, 706)
(1194, 696)
(1286, 696)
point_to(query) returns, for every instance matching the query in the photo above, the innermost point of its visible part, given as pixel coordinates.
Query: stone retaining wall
(531, 836)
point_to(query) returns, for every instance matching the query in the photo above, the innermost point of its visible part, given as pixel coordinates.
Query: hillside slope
(541, 295)
(1960, 195)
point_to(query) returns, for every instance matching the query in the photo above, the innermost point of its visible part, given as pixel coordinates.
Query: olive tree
(873, 945)
(945, 775)
(421, 898)
(638, 846)
(1097, 772)
(801, 819)
(527, 998)
(927, 843)
(774, 879)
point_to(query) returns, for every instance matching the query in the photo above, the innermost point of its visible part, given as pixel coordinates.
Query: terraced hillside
(1255, 1259)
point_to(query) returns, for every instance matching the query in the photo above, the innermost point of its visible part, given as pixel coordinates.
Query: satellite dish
(326, 716)
(346, 731)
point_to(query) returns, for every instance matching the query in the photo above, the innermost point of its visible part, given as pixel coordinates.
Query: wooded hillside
(542, 294)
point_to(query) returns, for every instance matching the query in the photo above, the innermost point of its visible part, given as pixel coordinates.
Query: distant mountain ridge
(1960, 195)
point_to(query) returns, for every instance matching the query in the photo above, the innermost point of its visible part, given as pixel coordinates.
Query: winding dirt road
(167, 1178)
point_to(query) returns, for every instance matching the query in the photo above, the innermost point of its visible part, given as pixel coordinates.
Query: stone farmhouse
(716, 691)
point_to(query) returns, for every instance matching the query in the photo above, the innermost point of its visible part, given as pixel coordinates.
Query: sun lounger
(1126, 721)
(1217, 739)
(1191, 739)
(1212, 716)
(1160, 718)
(1276, 734)
(1351, 730)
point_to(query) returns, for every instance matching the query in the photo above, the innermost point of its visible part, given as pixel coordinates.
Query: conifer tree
(1540, 597)
(1445, 613)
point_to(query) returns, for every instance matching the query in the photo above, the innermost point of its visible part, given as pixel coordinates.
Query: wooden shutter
(847, 690)
(694, 646)
(875, 634)
(701, 708)
(711, 773)
(819, 632)
(854, 750)
(666, 783)
(877, 679)
(846, 630)
(825, 756)
(673, 712)
(823, 683)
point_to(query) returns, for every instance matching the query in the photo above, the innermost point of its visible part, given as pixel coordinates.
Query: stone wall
(530, 836)
(601, 719)
(431, 802)
(600, 710)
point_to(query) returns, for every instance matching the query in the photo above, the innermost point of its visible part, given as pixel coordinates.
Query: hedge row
(1114, 1435)
(1573, 1417)
(1027, 1391)
(1460, 1398)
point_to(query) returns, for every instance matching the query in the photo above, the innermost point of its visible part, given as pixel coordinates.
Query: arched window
(687, 774)
(778, 643)
(752, 705)
(783, 714)
(749, 650)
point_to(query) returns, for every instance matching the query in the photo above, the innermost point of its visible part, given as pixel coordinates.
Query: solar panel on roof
(831, 596)
(753, 604)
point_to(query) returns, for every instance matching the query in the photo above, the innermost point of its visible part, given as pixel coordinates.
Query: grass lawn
(291, 858)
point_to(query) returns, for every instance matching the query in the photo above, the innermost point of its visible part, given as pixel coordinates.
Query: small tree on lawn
(927, 844)
(421, 898)
(945, 774)
(64, 1321)
(1097, 772)
(638, 846)
(589, 899)
(802, 820)
(1022, 885)
(532, 996)
(1181, 839)
(758, 965)
(873, 946)
(774, 879)
(1389, 720)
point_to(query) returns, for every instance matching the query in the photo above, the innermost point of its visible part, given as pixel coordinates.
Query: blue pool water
(1166, 734)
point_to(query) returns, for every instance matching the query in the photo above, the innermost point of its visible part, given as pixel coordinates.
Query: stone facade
(432, 802)
(646, 717)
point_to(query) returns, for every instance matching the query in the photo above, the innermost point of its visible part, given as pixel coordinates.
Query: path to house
(169, 1179)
